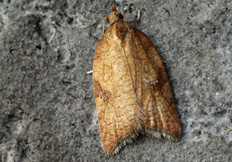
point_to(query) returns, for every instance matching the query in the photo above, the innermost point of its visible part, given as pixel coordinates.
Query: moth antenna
(107, 17)
(138, 16)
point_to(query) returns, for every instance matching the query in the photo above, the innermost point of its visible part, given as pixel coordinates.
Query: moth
(131, 88)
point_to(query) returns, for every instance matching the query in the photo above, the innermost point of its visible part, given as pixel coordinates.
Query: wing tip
(129, 139)
(119, 144)
(158, 133)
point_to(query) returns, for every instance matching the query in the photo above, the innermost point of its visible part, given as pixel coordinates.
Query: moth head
(115, 15)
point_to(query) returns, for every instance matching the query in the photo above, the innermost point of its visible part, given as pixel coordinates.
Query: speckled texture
(47, 109)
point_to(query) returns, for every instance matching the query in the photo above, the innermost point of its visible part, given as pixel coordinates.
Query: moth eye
(120, 16)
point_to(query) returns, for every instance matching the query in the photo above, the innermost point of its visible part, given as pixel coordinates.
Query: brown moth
(131, 88)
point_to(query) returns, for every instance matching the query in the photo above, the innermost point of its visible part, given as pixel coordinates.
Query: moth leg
(137, 19)
(90, 72)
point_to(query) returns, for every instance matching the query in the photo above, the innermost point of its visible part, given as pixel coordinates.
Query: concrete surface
(47, 108)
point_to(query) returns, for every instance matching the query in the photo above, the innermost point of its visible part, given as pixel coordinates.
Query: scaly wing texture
(131, 89)
(119, 113)
(159, 106)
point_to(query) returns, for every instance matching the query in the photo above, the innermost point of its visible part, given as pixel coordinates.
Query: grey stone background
(47, 107)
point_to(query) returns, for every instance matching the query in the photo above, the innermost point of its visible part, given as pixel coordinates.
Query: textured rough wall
(47, 108)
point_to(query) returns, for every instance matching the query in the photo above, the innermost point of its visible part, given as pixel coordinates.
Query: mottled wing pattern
(119, 114)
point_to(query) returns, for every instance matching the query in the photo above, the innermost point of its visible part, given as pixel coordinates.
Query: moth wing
(119, 115)
(157, 100)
